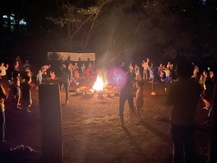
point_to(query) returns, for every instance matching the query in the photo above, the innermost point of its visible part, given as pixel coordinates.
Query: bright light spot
(5, 16)
(98, 85)
(203, 2)
(12, 18)
(22, 22)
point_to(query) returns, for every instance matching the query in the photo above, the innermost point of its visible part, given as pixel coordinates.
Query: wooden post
(51, 126)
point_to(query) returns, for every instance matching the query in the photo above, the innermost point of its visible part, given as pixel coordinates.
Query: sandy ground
(92, 133)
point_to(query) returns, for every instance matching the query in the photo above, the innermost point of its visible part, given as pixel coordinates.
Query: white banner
(71, 56)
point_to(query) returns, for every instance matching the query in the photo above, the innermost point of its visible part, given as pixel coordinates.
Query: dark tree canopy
(120, 29)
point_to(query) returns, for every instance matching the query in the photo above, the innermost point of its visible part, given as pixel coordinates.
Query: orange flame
(98, 85)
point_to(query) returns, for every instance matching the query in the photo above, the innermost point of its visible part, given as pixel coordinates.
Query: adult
(65, 76)
(208, 92)
(3, 73)
(26, 66)
(18, 64)
(145, 65)
(76, 72)
(126, 93)
(27, 94)
(44, 70)
(83, 69)
(72, 74)
(137, 72)
(183, 96)
(195, 71)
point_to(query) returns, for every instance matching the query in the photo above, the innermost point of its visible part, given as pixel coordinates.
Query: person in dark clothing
(126, 93)
(27, 94)
(183, 96)
(65, 76)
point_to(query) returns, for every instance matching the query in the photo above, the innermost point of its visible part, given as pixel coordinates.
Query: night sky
(195, 28)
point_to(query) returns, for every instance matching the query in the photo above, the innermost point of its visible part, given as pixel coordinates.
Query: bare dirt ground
(92, 132)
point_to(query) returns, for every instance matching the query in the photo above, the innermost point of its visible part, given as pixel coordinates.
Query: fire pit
(99, 88)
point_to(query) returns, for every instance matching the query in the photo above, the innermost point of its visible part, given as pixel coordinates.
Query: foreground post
(51, 126)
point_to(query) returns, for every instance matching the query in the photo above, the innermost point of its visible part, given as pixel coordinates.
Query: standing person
(52, 75)
(44, 70)
(72, 75)
(3, 96)
(151, 72)
(17, 66)
(168, 75)
(126, 93)
(26, 66)
(145, 65)
(27, 94)
(39, 77)
(16, 90)
(195, 71)
(65, 76)
(183, 97)
(131, 68)
(83, 69)
(137, 71)
(3, 73)
(139, 96)
(76, 73)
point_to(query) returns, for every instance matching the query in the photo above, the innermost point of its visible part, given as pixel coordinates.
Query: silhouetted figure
(27, 94)
(183, 96)
(65, 76)
(126, 93)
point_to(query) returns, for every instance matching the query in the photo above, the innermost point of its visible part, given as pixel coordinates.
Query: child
(3, 96)
(26, 94)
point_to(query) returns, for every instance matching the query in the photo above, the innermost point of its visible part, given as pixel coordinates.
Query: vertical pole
(213, 139)
(51, 126)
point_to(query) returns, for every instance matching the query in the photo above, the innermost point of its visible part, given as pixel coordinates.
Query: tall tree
(134, 26)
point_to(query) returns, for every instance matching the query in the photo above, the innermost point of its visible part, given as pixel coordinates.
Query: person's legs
(121, 108)
(146, 74)
(189, 144)
(131, 104)
(29, 104)
(178, 150)
(139, 105)
(66, 87)
(17, 98)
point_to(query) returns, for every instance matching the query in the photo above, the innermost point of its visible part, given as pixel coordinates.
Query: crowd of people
(145, 71)
(184, 83)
